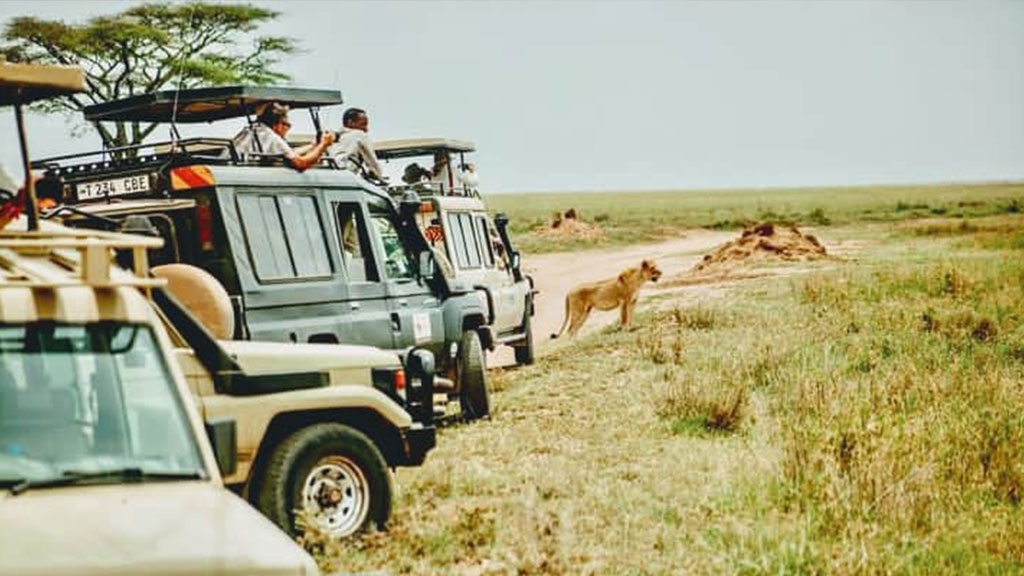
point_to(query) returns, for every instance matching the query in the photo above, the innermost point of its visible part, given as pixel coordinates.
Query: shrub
(696, 404)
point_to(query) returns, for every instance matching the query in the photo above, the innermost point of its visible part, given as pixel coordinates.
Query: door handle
(353, 305)
(403, 302)
(396, 322)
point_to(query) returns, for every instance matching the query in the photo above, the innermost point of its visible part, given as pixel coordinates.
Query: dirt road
(555, 274)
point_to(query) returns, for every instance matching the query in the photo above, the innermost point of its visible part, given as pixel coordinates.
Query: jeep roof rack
(185, 106)
(409, 147)
(20, 251)
(207, 104)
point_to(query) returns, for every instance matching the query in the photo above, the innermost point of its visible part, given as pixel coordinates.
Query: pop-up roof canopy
(24, 83)
(407, 148)
(19, 85)
(207, 104)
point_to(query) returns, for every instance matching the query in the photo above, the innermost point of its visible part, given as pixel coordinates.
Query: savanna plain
(858, 414)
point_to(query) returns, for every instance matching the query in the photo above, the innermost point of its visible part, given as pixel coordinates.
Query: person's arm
(302, 161)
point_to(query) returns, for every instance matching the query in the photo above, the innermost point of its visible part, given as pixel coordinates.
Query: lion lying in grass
(620, 292)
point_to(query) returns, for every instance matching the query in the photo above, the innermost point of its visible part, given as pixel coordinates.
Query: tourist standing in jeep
(267, 136)
(354, 149)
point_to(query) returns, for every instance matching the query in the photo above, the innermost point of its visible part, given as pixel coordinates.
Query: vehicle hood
(277, 357)
(165, 528)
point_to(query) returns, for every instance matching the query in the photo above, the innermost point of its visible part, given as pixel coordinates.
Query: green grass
(634, 217)
(863, 418)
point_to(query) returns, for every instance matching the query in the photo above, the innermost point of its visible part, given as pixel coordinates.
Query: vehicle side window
(484, 241)
(397, 264)
(355, 244)
(455, 234)
(305, 235)
(469, 237)
(267, 245)
(277, 255)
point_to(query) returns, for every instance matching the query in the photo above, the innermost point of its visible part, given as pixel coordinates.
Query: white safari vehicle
(473, 247)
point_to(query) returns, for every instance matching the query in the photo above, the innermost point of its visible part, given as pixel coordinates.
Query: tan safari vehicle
(104, 464)
(472, 247)
(318, 424)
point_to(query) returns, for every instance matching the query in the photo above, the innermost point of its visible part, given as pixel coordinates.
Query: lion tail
(564, 322)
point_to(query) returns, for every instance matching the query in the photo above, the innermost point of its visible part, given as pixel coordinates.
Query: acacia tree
(151, 47)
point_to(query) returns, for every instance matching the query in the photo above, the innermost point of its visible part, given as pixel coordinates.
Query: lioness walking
(620, 292)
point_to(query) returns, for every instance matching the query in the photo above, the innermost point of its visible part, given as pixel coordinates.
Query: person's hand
(328, 138)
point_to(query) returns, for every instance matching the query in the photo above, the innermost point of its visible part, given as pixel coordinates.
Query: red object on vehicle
(434, 233)
(204, 221)
(12, 208)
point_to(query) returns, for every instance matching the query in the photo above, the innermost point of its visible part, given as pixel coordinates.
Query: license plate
(113, 187)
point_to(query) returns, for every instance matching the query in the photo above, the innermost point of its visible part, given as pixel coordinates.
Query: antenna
(175, 136)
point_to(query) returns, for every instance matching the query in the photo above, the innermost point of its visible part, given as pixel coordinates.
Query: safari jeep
(104, 465)
(474, 248)
(321, 256)
(318, 424)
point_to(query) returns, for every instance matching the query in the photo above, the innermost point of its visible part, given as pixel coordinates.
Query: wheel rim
(336, 496)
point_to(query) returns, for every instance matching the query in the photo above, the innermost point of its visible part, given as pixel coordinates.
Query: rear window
(468, 236)
(285, 236)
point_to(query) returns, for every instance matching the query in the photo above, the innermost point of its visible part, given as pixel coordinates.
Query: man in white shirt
(353, 149)
(266, 137)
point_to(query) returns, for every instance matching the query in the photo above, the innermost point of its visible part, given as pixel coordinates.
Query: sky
(655, 95)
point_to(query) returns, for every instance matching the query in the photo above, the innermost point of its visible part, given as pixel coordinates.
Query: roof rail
(116, 159)
(431, 189)
(92, 265)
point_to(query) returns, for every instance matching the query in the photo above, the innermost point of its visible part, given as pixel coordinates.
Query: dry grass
(862, 420)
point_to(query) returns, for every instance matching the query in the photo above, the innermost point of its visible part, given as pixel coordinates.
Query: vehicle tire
(473, 394)
(332, 473)
(524, 351)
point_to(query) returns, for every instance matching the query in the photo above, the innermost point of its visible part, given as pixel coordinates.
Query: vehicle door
(290, 282)
(416, 315)
(369, 319)
(510, 298)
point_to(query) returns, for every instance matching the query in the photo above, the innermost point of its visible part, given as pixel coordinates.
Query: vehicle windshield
(82, 398)
(443, 171)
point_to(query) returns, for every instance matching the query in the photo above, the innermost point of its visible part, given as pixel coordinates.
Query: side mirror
(224, 440)
(427, 264)
(410, 204)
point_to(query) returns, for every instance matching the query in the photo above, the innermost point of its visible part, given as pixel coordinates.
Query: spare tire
(202, 295)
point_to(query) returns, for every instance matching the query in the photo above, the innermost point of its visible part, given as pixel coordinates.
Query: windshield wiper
(131, 474)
